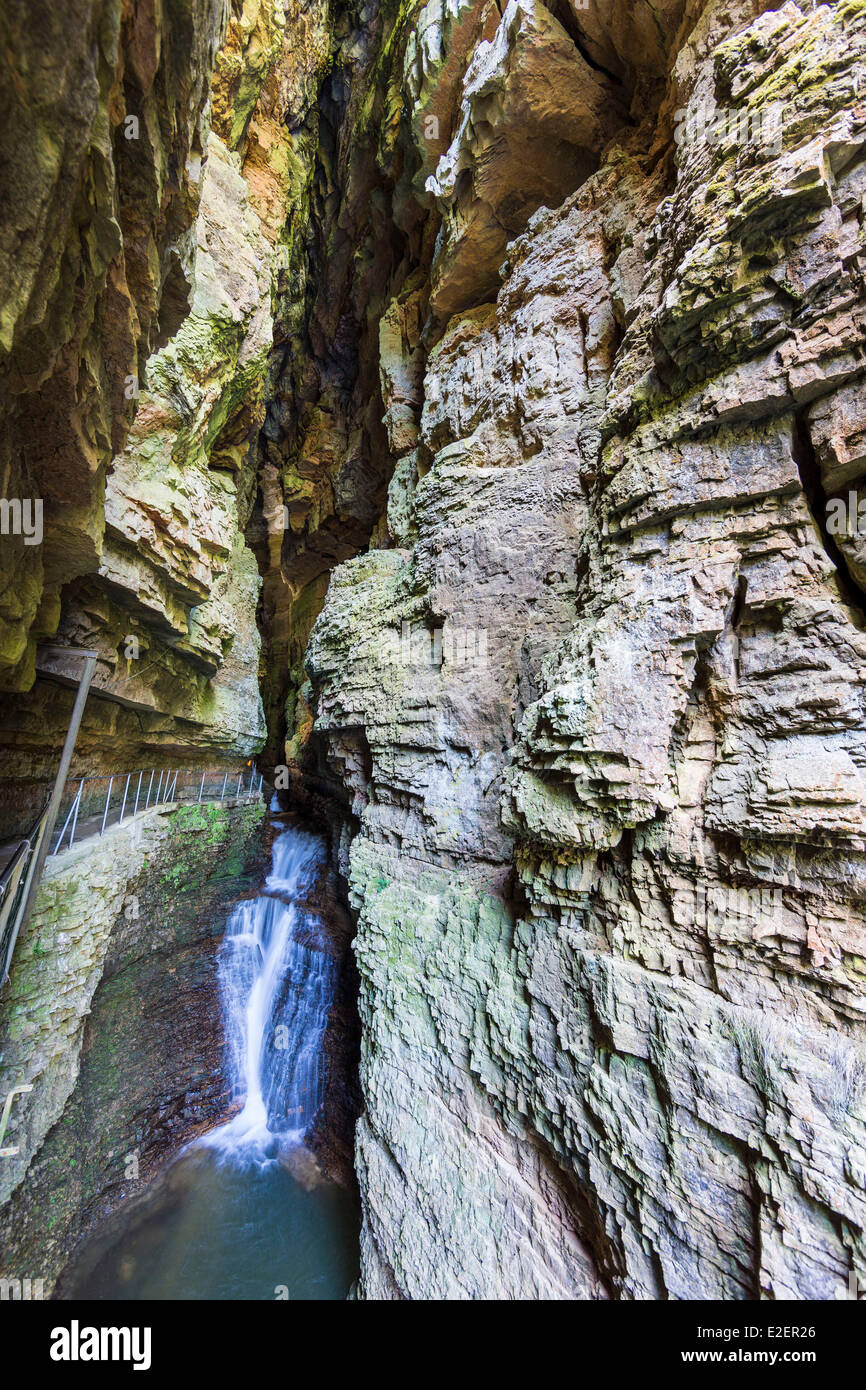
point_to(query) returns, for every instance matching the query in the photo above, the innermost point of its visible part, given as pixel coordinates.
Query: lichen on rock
(607, 863)
(500, 379)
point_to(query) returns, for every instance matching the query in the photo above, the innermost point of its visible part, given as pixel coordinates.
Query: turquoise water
(210, 1229)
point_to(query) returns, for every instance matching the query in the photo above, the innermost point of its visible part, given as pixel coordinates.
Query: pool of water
(244, 1212)
(216, 1229)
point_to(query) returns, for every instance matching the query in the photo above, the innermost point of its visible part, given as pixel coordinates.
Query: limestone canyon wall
(596, 688)
(499, 372)
(148, 170)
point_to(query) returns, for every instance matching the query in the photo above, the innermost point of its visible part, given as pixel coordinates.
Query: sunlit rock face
(500, 371)
(595, 691)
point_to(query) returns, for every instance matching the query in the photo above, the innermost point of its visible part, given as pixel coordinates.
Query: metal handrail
(166, 791)
(16, 879)
(21, 849)
(73, 816)
(15, 884)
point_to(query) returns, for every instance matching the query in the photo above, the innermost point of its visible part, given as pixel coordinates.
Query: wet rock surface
(112, 1015)
(502, 373)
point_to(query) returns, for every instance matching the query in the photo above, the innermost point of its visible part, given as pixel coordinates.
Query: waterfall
(276, 984)
(245, 1212)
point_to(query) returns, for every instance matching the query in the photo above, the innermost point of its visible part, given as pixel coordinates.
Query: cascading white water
(245, 1211)
(277, 988)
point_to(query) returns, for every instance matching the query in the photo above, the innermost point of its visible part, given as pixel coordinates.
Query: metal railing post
(149, 785)
(107, 801)
(223, 792)
(59, 783)
(201, 787)
(158, 788)
(137, 794)
(69, 816)
(75, 817)
(123, 803)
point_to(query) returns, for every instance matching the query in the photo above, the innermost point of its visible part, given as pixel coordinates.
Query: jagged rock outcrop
(596, 689)
(523, 347)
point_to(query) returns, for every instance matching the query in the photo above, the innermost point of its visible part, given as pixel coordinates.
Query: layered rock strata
(596, 689)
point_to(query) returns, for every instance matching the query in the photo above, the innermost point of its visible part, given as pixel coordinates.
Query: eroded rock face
(596, 689)
(523, 348)
(103, 127)
(533, 114)
(176, 203)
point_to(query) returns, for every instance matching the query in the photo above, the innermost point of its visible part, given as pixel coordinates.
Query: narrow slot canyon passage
(432, 656)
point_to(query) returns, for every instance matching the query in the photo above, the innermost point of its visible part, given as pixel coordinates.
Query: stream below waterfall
(244, 1212)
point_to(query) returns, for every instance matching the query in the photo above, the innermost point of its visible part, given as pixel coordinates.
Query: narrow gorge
(440, 428)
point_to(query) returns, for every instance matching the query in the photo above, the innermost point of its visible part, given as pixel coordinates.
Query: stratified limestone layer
(174, 209)
(596, 692)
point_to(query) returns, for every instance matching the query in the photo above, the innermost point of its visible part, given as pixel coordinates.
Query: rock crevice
(501, 370)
